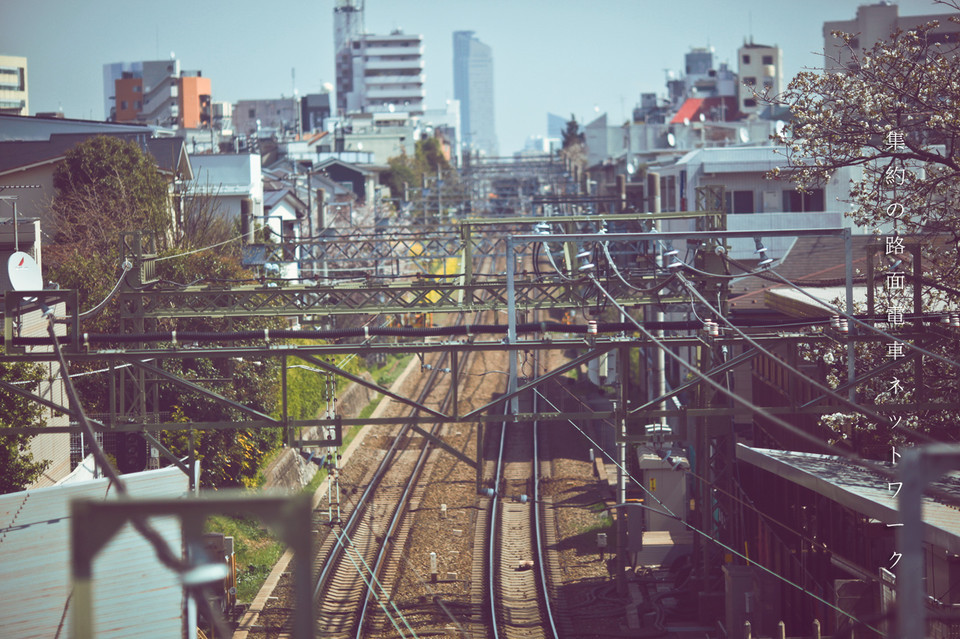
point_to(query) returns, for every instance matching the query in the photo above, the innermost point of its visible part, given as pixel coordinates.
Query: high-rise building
(761, 73)
(874, 23)
(157, 92)
(13, 85)
(347, 29)
(473, 86)
(375, 73)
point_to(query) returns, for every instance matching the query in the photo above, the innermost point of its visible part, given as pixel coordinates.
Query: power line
(669, 513)
(854, 319)
(813, 382)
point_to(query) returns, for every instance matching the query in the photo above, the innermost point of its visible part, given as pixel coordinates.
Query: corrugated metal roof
(687, 110)
(131, 588)
(860, 489)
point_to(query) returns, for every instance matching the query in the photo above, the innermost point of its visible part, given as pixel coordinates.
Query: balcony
(389, 65)
(388, 80)
(373, 52)
(389, 93)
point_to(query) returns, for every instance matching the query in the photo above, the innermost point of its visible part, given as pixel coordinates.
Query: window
(749, 80)
(749, 102)
(746, 59)
(668, 187)
(123, 105)
(797, 202)
(740, 202)
(768, 59)
(252, 113)
(138, 105)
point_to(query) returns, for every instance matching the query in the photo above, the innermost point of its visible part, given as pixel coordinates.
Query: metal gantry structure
(642, 279)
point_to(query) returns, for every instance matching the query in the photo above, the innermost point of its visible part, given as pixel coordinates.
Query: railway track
(517, 551)
(356, 568)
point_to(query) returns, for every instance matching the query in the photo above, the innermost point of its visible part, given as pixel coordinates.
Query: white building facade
(761, 72)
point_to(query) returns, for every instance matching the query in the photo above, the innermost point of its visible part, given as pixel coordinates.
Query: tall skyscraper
(473, 86)
(375, 73)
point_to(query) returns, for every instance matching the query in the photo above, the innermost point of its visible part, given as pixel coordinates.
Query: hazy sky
(560, 56)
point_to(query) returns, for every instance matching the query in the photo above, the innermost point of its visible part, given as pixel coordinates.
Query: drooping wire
(616, 271)
(199, 250)
(161, 550)
(127, 265)
(882, 333)
(666, 512)
(813, 382)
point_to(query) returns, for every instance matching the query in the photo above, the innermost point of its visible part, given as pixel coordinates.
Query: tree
(428, 158)
(106, 185)
(574, 148)
(891, 113)
(17, 466)
(572, 135)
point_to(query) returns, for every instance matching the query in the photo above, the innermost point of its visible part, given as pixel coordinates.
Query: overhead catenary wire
(813, 382)
(859, 322)
(127, 265)
(666, 512)
(198, 250)
(881, 470)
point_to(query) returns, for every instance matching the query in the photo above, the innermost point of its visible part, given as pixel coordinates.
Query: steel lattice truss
(348, 299)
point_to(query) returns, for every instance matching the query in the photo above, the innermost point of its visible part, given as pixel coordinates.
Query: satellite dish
(686, 122)
(780, 125)
(744, 135)
(23, 274)
(671, 139)
(327, 87)
(703, 118)
(391, 108)
(631, 169)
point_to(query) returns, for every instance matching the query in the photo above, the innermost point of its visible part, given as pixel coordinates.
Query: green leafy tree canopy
(18, 469)
(106, 185)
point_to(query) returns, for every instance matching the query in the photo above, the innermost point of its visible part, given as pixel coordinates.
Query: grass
(255, 548)
(390, 371)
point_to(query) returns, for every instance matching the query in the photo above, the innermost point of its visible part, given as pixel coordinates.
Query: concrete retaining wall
(289, 470)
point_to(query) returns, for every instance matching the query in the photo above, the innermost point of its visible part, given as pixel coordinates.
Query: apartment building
(873, 23)
(157, 92)
(14, 97)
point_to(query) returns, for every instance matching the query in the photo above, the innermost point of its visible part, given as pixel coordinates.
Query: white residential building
(761, 72)
(235, 182)
(752, 201)
(385, 73)
(874, 23)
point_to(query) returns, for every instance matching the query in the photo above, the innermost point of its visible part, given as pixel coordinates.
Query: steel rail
(405, 498)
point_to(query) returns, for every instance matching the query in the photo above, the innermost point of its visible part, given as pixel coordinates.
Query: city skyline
(561, 57)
